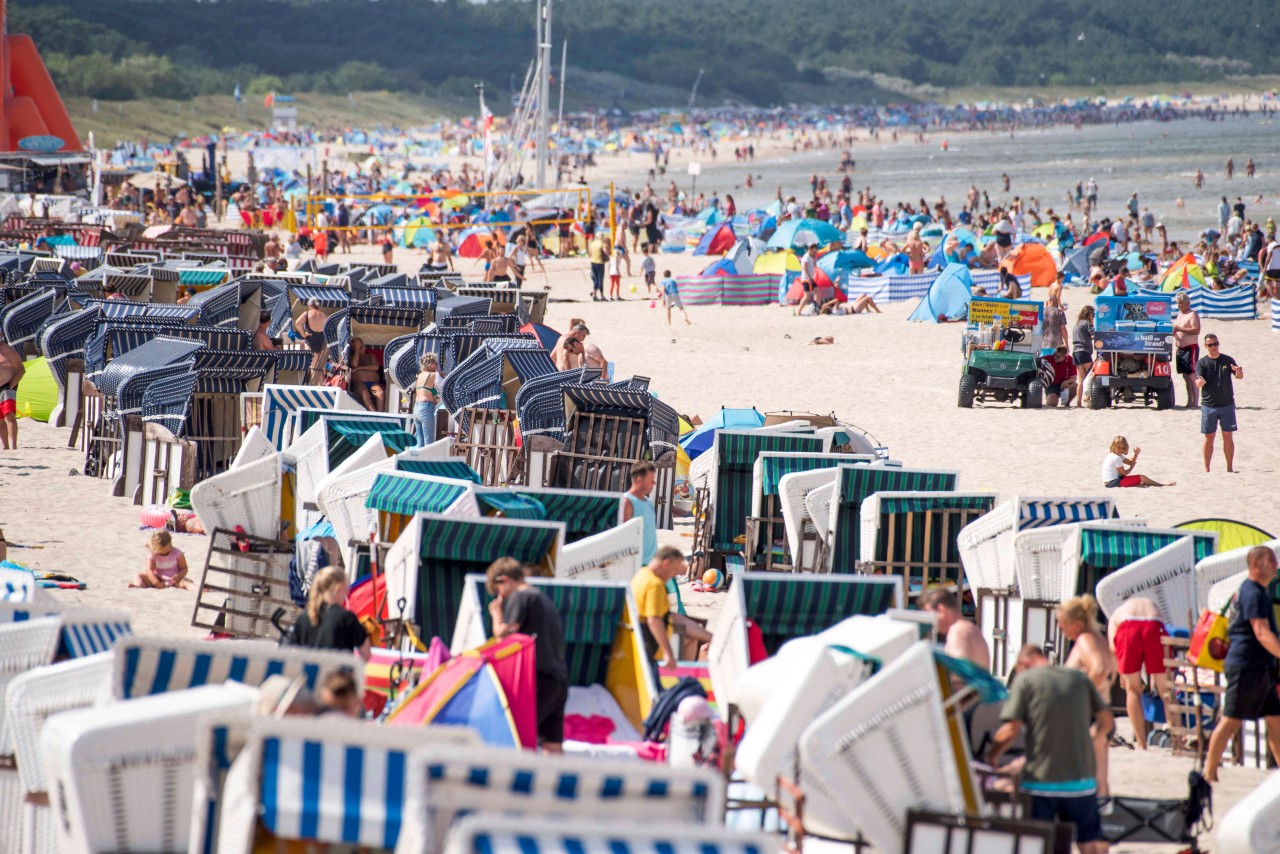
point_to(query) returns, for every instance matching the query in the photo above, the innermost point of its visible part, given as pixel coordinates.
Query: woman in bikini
(1090, 653)
(426, 397)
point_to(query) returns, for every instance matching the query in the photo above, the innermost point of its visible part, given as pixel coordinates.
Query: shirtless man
(261, 340)
(11, 371)
(1186, 340)
(917, 251)
(441, 258)
(593, 357)
(271, 249)
(568, 354)
(310, 328)
(1134, 631)
(189, 216)
(963, 639)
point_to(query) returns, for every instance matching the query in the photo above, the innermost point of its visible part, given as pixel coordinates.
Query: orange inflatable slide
(31, 106)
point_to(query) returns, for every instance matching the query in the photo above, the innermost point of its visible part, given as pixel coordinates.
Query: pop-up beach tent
(716, 240)
(948, 296)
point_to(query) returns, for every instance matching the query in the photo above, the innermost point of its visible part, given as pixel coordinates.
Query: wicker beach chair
(325, 781)
(913, 535)
(603, 645)
(786, 607)
(486, 833)
(29, 700)
(1166, 577)
(280, 404)
(888, 746)
(121, 776)
(1096, 551)
(328, 443)
(254, 447)
(445, 784)
(257, 496)
(427, 564)
(805, 529)
(1253, 824)
(613, 554)
(986, 548)
(1210, 570)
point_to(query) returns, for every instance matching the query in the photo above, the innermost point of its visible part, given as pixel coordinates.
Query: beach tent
(960, 236)
(948, 296)
(736, 419)
(765, 228)
(709, 216)
(776, 263)
(744, 254)
(723, 267)
(1231, 534)
(1186, 272)
(546, 336)
(844, 260)
(799, 233)
(37, 390)
(1075, 263)
(1034, 260)
(897, 265)
(471, 241)
(717, 240)
(491, 689)
(795, 292)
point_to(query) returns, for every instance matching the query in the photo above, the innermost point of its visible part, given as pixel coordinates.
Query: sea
(1157, 160)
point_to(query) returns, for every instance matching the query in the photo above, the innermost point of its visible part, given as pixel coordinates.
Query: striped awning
(774, 468)
(605, 400)
(529, 363)
(158, 352)
(327, 297)
(1112, 549)
(512, 505)
(90, 637)
(473, 541)
(1046, 512)
(738, 450)
(855, 483)
(346, 437)
(941, 501)
(583, 514)
(197, 277)
(408, 495)
(792, 606)
(385, 315)
(235, 362)
(420, 298)
(453, 469)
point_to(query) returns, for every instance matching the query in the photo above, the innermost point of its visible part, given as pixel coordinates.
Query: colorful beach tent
(1186, 272)
(1034, 260)
(948, 296)
(799, 233)
(744, 254)
(726, 419)
(717, 240)
(472, 240)
(37, 391)
(722, 267)
(776, 263)
(765, 228)
(1231, 534)
(491, 689)
(1075, 263)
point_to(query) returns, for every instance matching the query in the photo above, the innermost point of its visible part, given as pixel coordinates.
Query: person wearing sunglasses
(1215, 373)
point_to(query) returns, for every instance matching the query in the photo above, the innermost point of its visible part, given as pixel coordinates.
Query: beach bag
(1209, 643)
(655, 726)
(180, 499)
(337, 378)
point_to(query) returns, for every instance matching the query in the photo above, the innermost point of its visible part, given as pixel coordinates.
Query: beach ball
(712, 578)
(633, 289)
(653, 303)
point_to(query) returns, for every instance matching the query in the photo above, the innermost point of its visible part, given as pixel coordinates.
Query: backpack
(655, 726)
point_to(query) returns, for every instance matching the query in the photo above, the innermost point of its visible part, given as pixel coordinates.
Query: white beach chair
(20, 587)
(120, 776)
(1215, 568)
(248, 495)
(30, 699)
(769, 496)
(1252, 826)
(328, 780)
(806, 678)
(253, 447)
(793, 497)
(146, 665)
(281, 403)
(1221, 591)
(1166, 577)
(787, 606)
(492, 833)
(611, 555)
(884, 748)
(444, 784)
(1101, 549)
(312, 455)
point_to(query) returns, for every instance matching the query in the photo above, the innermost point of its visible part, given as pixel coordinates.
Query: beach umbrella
(418, 232)
(799, 233)
(155, 181)
(726, 419)
(546, 336)
(1186, 272)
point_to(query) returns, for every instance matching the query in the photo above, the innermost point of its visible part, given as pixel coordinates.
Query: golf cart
(1002, 353)
(1133, 352)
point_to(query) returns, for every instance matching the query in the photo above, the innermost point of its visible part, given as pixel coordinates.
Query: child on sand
(1117, 470)
(166, 565)
(615, 274)
(650, 268)
(671, 296)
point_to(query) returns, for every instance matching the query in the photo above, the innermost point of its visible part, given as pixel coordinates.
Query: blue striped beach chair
(913, 535)
(603, 645)
(787, 606)
(986, 548)
(428, 563)
(767, 545)
(444, 785)
(280, 403)
(484, 833)
(325, 781)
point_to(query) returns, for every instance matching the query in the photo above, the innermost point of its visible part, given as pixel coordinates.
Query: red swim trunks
(8, 402)
(1138, 647)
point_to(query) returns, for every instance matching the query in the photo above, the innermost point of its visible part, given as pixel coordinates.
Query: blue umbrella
(799, 233)
(845, 260)
(700, 439)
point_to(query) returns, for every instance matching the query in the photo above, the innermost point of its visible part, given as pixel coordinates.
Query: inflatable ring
(156, 516)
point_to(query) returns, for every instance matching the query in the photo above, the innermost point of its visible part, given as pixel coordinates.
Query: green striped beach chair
(603, 645)
(786, 606)
(734, 454)
(913, 535)
(1166, 576)
(330, 441)
(841, 544)
(766, 541)
(427, 566)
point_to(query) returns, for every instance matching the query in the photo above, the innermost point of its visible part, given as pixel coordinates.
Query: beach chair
(613, 554)
(1213, 569)
(327, 781)
(257, 496)
(986, 548)
(913, 535)
(121, 776)
(806, 678)
(1166, 577)
(29, 700)
(145, 665)
(486, 833)
(785, 607)
(244, 582)
(429, 561)
(446, 784)
(840, 546)
(893, 743)
(603, 643)
(1253, 824)
(1099, 550)
(254, 447)
(766, 525)
(328, 442)
(280, 404)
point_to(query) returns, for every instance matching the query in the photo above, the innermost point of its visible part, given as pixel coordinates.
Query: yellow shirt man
(650, 592)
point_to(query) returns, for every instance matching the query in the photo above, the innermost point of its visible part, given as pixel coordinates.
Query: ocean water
(1158, 160)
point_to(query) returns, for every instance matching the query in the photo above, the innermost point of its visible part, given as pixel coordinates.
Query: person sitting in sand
(363, 378)
(1062, 386)
(1117, 469)
(166, 565)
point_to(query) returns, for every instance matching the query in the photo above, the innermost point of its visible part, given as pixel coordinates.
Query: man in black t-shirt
(517, 607)
(1250, 665)
(1214, 375)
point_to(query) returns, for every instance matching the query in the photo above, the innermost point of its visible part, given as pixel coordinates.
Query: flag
(486, 123)
(269, 100)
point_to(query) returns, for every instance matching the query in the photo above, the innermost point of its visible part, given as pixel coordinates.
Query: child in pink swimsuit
(166, 565)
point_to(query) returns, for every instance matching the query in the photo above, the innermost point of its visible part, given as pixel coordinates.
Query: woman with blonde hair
(1090, 653)
(326, 623)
